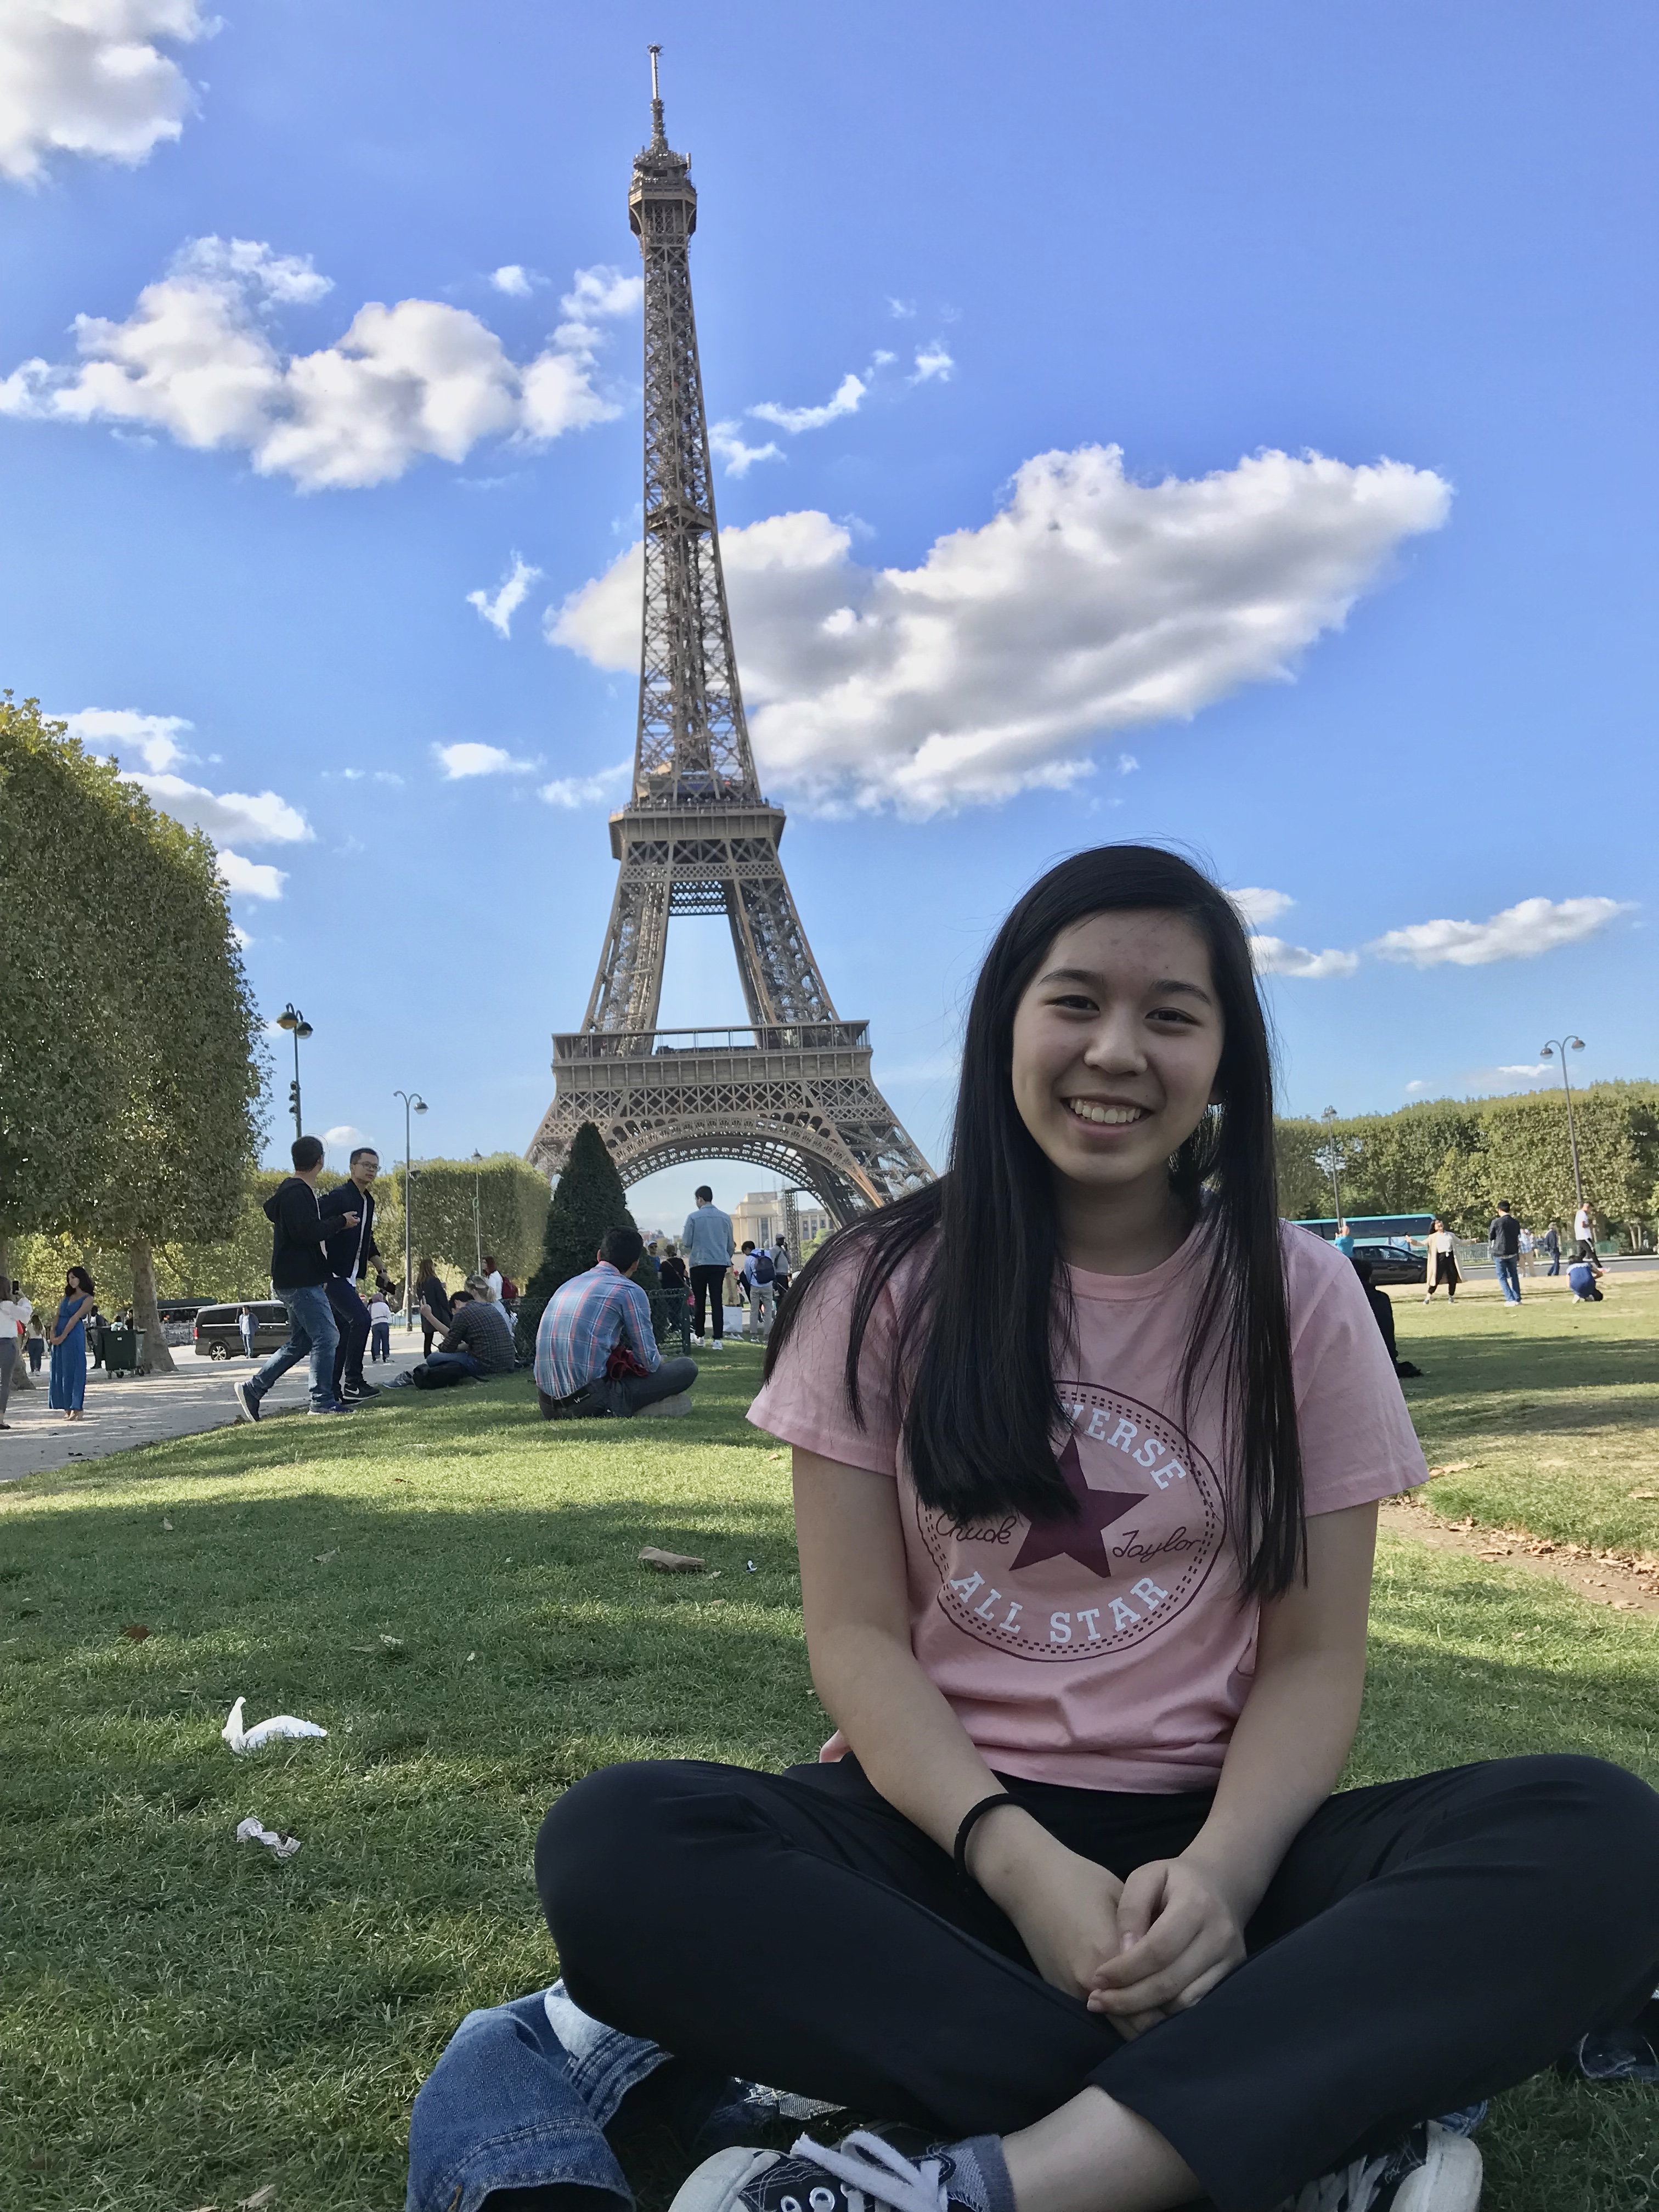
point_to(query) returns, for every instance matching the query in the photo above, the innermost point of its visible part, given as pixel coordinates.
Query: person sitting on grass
(476, 1341)
(1381, 1307)
(1086, 1549)
(596, 1351)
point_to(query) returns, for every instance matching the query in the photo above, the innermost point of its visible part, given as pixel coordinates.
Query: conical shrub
(588, 1199)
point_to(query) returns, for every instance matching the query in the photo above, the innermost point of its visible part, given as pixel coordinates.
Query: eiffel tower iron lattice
(792, 1090)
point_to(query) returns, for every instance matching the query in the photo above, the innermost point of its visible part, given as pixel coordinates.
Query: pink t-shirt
(1111, 1652)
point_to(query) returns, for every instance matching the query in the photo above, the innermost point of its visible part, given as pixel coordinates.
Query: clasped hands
(1135, 1951)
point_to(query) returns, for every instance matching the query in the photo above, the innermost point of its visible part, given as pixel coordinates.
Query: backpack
(763, 1270)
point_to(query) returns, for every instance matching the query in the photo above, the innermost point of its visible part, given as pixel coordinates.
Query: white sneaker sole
(1448, 2181)
(719, 2182)
(666, 1409)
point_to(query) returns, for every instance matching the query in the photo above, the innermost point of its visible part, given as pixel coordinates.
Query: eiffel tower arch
(790, 1090)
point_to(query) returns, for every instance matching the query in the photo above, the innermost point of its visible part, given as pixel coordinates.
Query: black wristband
(969, 1819)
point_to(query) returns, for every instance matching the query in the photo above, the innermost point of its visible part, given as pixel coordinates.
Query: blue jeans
(351, 1319)
(310, 1329)
(1508, 1274)
(380, 1337)
(462, 1360)
(629, 1393)
(523, 2095)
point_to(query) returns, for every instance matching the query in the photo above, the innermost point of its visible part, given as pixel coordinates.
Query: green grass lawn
(1549, 1410)
(184, 2020)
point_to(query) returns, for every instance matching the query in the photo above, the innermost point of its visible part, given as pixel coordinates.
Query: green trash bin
(123, 1350)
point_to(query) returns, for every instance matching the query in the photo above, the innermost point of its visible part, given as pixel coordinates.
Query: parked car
(219, 1335)
(1393, 1260)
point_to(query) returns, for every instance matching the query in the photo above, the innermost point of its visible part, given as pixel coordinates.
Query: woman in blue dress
(68, 1346)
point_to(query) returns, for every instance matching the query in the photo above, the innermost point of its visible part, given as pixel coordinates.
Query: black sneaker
(248, 1406)
(358, 1388)
(1434, 2170)
(862, 2172)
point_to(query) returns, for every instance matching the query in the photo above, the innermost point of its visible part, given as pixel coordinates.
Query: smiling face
(1116, 1043)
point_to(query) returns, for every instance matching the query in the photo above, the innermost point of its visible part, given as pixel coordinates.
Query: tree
(587, 1201)
(511, 1198)
(130, 1087)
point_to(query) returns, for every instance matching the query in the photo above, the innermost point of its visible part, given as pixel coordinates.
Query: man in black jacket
(299, 1276)
(348, 1212)
(1504, 1243)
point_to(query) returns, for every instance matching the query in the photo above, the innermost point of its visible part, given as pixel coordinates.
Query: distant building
(763, 1217)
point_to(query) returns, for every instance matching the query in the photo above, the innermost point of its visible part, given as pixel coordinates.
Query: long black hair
(979, 1341)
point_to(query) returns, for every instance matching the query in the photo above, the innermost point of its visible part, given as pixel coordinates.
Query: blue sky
(1412, 701)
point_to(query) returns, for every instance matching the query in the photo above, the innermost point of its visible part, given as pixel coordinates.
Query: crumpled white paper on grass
(255, 1831)
(255, 1739)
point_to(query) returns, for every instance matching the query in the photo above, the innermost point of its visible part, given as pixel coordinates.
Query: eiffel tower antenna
(792, 1090)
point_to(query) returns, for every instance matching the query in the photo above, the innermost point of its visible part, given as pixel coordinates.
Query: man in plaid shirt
(589, 1319)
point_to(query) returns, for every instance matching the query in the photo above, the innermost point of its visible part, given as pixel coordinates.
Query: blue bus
(1376, 1228)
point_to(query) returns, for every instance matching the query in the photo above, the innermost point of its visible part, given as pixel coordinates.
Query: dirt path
(1628, 1584)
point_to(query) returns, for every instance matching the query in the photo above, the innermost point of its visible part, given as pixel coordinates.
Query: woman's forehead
(1134, 940)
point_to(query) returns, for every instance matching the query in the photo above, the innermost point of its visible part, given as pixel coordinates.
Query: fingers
(1142, 1899)
(1188, 1978)
(1169, 1938)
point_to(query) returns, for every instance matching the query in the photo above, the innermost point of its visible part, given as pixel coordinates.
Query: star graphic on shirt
(1082, 1538)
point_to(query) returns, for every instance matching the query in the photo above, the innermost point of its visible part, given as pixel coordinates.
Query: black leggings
(1424, 1944)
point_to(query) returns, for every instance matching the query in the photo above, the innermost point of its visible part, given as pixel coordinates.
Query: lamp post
(1564, 1045)
(294, 1022)
(477, 1206)
(1330, 1159)
(413, 1104)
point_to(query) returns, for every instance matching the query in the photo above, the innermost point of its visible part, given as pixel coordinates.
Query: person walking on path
(1551, 1241)
(1442, 1262)
(1583, 1230)
(596, 1351)
(1086, 1542)
(708, 1244)
(248, 1330)
(15, 1314)
(68, 1346)
(36, 1344)
(1504, 1243)
(379, 1328)
(432, 1302)
(348, 1212)
(780, 1268)
(299, 1276)
(759, 1280)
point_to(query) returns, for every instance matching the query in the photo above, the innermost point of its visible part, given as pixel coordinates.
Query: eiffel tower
(792, 1090)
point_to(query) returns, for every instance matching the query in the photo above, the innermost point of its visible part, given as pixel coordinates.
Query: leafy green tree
(511, 1198)
(130, 1086)
(587, 1199)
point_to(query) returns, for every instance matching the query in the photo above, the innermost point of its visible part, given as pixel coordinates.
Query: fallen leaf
(371, 1650)
(323, 1558)
(670, 1563)
(259, 2200)
(470, 1656)
(393, 1643)
(1452, 1467)
(165, 1524)
(135, 1632)
(1645, 1493)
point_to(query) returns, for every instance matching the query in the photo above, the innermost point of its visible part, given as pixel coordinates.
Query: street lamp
(1330, 1159)
(477, 1206)
(294, 1022)
(413, 1104)
(1563, 1045)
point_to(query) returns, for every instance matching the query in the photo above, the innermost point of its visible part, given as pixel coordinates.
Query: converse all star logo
(1147, 1532)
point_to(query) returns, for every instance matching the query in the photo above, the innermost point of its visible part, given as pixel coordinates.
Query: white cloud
(932, 360)
(1274, 956)
(1089, 603)
(1416, 1084)
(514, 590)
(845, 399)
(574, 790)
(344, 1136)
(726, 442)
(89, 76)
(198, 359)
(252, 817)
(901, 310)
(1519, 933)
(249, 878)
(1536, 1067)
(470, 759)
(1126, 763)
(1257, 906)
(153, 738)
(385, 775)
(512, 279)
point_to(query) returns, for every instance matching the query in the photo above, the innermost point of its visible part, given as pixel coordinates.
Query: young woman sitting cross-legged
(1088, 1447)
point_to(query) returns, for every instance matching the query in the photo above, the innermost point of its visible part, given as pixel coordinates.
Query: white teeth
(1111, 1117)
